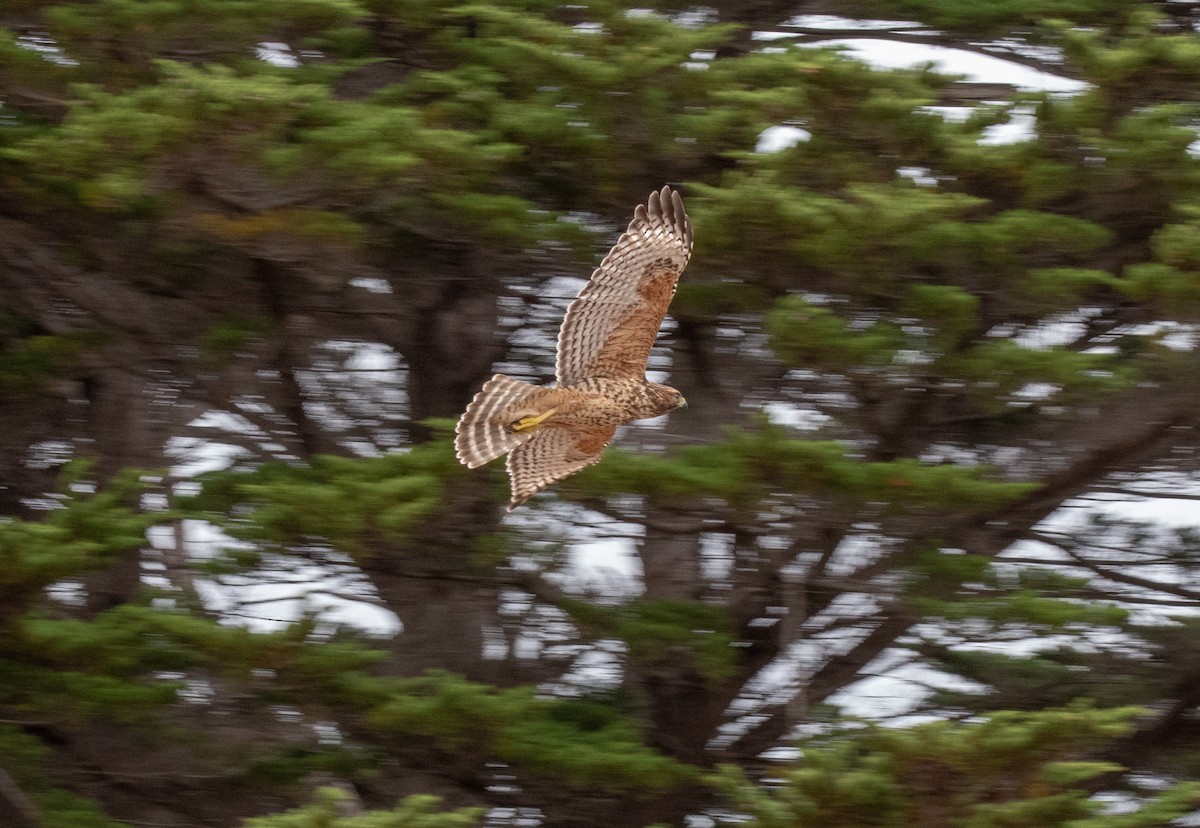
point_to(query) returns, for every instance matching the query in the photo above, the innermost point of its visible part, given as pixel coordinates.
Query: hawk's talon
(532, 422)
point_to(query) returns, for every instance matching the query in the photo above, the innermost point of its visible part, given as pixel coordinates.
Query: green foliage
(228, 336)
(27, 363)
(1161, 285)
(749, 464)
(352, 504)
(1065, 286)
(1027, 606)
(131, 32)
(29, 359)
(1138, 62)
(803, 333)
(1007, 769)
(664, 630)
(1049, 678)
(465, 130)
(599, 750)
(120, 666)
(328, 811)
(112, 667)
(978, 16)
(87, 533)
(1043, 599)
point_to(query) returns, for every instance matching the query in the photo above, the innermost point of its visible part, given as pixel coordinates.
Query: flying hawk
(550, 433)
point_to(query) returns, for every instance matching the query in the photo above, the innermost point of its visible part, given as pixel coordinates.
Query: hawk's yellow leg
(530, 423)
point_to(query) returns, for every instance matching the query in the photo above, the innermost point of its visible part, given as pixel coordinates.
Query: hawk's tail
(484, 431)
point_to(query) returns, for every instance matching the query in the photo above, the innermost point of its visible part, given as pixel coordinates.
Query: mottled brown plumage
(603, 346)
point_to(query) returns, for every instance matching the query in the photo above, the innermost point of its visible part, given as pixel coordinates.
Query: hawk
(550, 433)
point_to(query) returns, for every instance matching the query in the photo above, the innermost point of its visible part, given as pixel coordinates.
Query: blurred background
(924, 549)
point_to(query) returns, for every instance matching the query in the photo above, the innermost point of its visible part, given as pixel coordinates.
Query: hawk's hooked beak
(682, 402)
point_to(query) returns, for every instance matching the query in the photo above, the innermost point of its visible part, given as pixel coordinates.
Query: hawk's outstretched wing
(610, 327)
(552, 454)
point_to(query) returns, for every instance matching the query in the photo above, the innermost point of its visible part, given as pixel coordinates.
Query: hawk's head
(662, 399)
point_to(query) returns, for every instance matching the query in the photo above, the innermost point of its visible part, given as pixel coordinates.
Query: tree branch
(15, 801)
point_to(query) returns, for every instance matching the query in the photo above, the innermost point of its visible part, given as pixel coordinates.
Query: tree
(1009, 769)
(246, 213)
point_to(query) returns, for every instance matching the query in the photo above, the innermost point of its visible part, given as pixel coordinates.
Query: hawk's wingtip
(667, 203)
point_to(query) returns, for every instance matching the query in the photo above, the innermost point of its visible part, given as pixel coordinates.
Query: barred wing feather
(611, 326)
(551, 455)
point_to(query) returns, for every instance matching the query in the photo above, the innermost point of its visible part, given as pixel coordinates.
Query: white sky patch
(780, 680)
(534, 336)
(514, 818)
(716, 555)
(598, 667)
(47, 47)
(846, 605)
(697, 17)
(792, 415)
(950, 453)
(1054, 331)
(1023, 643)
(834, 22)
(952, 114)
(769, 36)
(1177, 336)
(285, 588)
(357, 388)
(225, 421)
(232, 434)
(1168, 505)
(196, 455)
(1181, 340)
(855, 551)
(894, 685)
(1036, 391)
(1164, 510)
(277, 54)
(781, 137)
(973, 66)
(601, 556)
(1016, 46)
(371, 284)
(49, 453)
(70, 593)
(373, 356)
(601, 565)
(1021, 126)
(921, 176)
